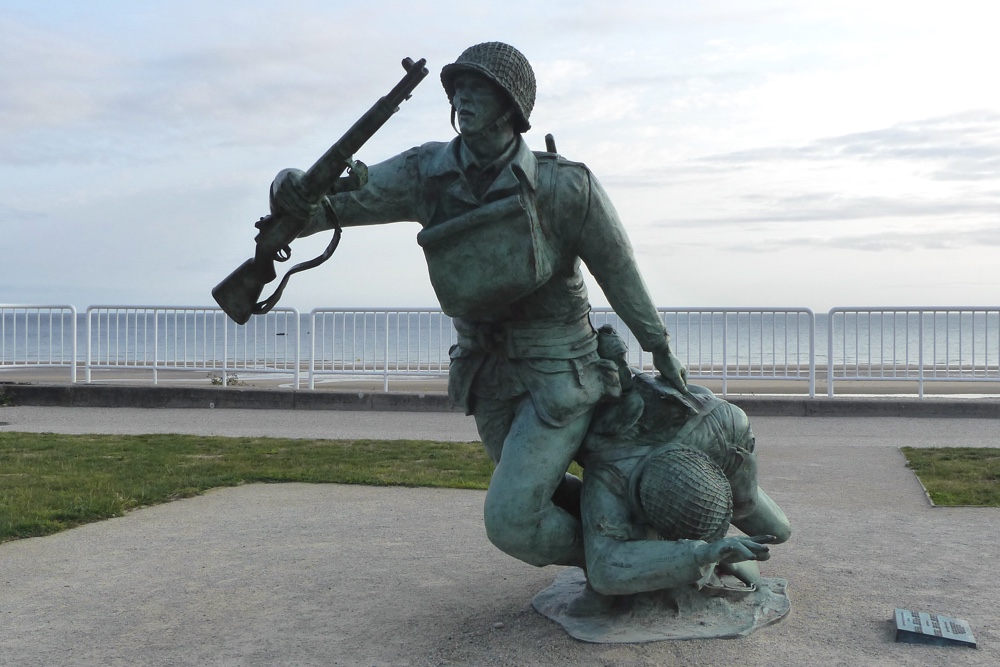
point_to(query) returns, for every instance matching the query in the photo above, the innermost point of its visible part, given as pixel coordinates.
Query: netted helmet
(684, 495)
(503, 65)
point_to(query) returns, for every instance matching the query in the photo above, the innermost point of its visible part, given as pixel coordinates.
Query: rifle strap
(267, 304)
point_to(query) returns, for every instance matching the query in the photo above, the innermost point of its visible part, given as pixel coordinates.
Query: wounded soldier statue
(666, 473)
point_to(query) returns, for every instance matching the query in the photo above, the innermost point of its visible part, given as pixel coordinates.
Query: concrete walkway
(341, 575)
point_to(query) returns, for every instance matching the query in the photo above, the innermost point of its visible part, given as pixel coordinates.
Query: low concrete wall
(115, 396)
(874, 406)
(104, 396)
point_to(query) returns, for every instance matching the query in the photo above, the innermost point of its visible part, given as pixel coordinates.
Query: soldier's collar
(469, 160)
(522, 162)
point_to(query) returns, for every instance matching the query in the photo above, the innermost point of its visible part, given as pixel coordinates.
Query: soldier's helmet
(503, 65)
(684, 495)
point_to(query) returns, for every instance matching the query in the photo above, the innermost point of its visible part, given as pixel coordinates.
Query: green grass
(50, 482)
(958, 475)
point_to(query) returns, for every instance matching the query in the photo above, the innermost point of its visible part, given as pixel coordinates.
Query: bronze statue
(666, 473)
(504, 233)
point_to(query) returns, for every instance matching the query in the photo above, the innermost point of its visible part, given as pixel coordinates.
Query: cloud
(953, 239)
(49, 79)
(957, 239)
(963, 146)
(833, 207)
(71, 98)
(931, 183)
(11, 214)
(597, 17)
(899, 237)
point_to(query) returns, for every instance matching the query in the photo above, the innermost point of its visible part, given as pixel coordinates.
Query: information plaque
(923, 628)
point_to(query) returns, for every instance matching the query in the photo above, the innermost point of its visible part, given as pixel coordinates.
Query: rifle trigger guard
(283, 253)
(357, 171)
(356, 178)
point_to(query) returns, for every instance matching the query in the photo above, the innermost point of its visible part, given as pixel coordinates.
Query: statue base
(716, 611)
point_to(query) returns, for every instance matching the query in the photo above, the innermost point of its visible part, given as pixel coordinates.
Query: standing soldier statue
(504, 232)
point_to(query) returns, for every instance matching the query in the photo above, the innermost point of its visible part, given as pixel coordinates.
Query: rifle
(238, 294)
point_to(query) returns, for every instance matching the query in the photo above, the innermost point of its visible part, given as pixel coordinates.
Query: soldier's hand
(287, 197)
(671, 368)
(736, 549)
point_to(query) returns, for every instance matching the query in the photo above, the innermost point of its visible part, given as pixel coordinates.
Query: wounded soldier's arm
(620, 564)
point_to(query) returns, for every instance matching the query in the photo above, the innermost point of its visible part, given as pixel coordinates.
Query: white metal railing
(716, 343)
(160, 338)
(953, 344)
(382, 342)
(37, 336)
(733, 343)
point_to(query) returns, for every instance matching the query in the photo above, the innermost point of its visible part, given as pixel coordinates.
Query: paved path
(343, 575)
(236, 422)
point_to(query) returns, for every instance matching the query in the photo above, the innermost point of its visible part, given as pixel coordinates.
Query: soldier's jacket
(504, 243)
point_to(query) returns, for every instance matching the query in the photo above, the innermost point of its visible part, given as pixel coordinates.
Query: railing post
(385, 357)
(312, 349)
(298, 347)
(225, 351)
(829, 353)
(156, 342)
(86, 369)
(725, 353)
(72, 374)
(920, 354)
(812, 353)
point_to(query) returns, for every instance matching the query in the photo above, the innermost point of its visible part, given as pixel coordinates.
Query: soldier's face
(478, 102)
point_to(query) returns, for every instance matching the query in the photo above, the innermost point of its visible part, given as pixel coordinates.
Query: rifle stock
(239, 293)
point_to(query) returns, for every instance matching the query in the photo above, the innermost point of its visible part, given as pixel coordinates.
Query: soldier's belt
(528, 340)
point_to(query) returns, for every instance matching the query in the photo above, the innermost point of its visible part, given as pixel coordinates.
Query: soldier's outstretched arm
(390, 194)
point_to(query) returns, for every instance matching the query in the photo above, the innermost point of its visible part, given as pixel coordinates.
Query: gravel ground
(298, 574)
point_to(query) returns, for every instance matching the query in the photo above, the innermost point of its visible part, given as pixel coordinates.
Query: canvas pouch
(491, 256)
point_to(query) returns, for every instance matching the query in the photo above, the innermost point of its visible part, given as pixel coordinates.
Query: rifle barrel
(320, 177)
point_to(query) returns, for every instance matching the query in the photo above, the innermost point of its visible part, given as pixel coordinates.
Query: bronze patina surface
(506, 232)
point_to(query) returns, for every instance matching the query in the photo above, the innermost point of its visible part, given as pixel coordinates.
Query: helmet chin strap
(492, 127)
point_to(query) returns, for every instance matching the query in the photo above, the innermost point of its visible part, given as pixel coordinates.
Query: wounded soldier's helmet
(684, 495)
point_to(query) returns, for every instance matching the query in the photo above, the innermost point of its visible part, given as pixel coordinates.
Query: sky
(780, 153)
